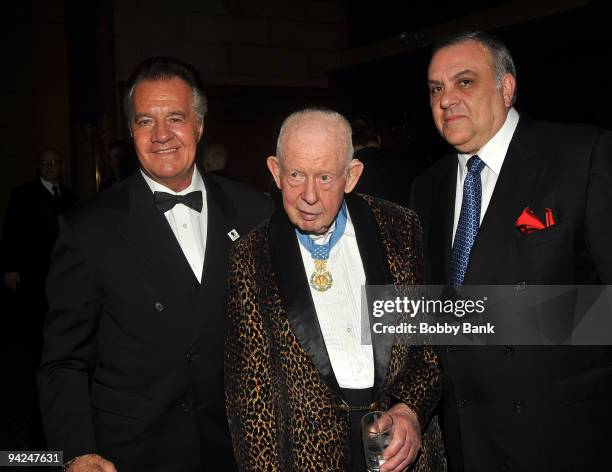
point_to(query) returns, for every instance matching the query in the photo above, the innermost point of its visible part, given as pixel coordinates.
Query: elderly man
(520, 202)
(132, 367)
(297, 375)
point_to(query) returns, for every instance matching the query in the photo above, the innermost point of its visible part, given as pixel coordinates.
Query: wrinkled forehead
(173, 89)
(320, 132)
(320, 151)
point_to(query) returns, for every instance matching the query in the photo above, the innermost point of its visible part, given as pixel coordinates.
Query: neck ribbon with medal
(321, 279)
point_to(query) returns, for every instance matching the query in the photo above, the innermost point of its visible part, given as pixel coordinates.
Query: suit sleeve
(68, 354)
(598, 224)
(417, 190)
(249, 390)
(419, 387)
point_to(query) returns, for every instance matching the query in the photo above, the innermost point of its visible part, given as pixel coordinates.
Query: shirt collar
(196, 184)
(349, 230)
(494, 151)
(48, 185)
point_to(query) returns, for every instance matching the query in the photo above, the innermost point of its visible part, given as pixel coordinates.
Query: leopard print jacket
(282, 416)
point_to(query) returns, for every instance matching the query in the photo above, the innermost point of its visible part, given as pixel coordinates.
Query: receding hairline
(483, 46)
(313, 121)
(313, 118)
(501, 59)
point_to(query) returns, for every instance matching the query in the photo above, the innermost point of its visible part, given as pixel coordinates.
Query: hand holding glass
(377, 431)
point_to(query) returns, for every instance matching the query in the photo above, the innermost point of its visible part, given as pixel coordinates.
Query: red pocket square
(529, 222)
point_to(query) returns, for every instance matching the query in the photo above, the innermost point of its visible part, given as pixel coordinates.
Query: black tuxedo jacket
(132, 365)
(515, 407)
(30, 230)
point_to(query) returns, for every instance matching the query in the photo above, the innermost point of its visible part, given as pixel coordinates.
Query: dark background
(68, 61)
(65, 64)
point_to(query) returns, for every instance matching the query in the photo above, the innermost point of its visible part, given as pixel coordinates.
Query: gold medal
(321, 279)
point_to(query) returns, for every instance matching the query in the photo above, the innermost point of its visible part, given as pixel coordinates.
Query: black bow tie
(166, 201)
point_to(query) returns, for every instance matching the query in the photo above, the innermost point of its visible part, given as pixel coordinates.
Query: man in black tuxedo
(516, 407)
(132, 367)
(29, 233)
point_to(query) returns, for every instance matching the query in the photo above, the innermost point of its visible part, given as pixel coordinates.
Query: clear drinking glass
(377, 431)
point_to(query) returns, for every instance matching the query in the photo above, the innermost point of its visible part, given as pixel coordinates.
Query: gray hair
(325, 113)
(164, 68)
(502, 59)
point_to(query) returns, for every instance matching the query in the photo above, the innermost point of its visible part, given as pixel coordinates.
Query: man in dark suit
(29, 233)
(132, 367)
(516, 407)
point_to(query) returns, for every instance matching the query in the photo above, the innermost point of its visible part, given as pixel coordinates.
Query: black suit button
(518, 407)
(184, 406)
(463, 403)
(159, 306)
(509, 350)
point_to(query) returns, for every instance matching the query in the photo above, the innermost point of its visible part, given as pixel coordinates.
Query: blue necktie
(469, 221)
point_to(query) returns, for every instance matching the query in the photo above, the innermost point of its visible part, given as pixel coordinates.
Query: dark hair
(502, 59)
(364, 131)
(165, 68)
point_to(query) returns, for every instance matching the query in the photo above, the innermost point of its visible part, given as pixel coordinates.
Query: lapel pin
(233, 234)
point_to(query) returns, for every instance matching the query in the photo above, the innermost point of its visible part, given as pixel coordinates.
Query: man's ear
(508, 88)
(354, 172)
(200, 130)
(275, 169)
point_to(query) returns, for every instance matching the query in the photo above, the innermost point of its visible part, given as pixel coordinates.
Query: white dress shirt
(49, 185)
(492, 154)
(339, 310)
(188, 225)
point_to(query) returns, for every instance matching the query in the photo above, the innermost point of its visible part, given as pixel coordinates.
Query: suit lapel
(295, 292)
(153, 241)
(377, 272)
(295, 295)
(213, 292)
(164, 266)
(443, 214)
(515, 185)
(159, 258)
